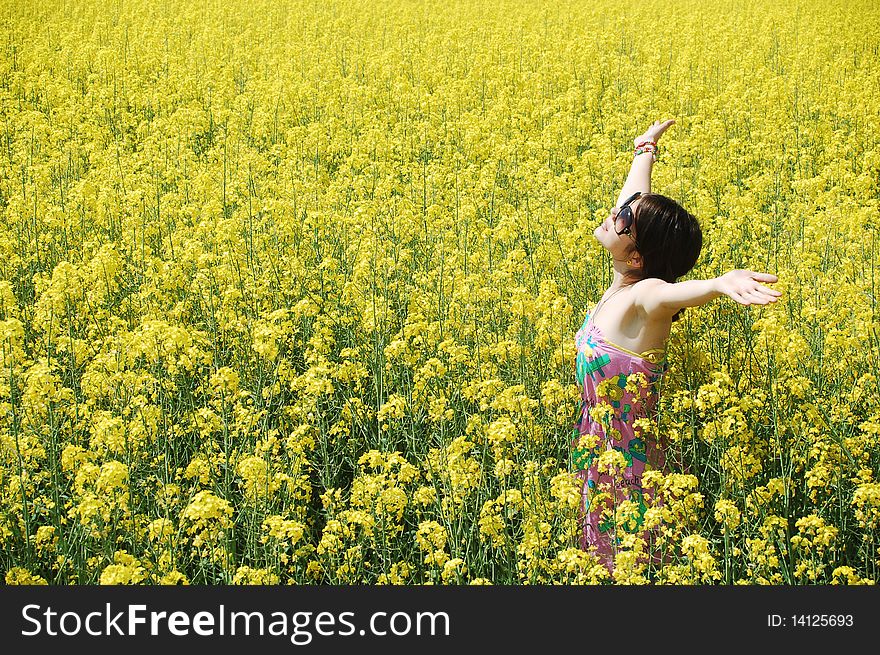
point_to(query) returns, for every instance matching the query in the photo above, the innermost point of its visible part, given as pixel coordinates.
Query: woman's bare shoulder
(649, 282)
(644, 298)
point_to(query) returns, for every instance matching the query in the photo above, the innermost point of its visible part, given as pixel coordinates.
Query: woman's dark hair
(667, 237)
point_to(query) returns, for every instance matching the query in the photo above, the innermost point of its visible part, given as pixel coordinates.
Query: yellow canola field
(288, 290)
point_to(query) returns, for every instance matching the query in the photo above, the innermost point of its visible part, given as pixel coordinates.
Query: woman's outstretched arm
(639, 177)
(655, 296)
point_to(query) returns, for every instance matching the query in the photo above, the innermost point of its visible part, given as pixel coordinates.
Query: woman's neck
(620, 280)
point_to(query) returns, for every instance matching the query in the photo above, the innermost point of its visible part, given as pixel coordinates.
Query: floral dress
(618, 387)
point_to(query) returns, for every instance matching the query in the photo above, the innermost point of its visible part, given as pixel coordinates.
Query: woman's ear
(635, 260)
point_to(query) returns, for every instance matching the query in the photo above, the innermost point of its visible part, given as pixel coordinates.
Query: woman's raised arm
(639, 177)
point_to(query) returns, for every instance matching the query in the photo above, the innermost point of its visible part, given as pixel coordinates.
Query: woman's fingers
(764, 277)
(753, 296)
(772, 292)
(659, 127)
(750, 292)
(762, 290)
(759, 297)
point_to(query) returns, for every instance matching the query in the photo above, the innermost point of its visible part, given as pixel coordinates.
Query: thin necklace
(602, 302)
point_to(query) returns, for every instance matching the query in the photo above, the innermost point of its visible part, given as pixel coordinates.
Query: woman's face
(606, 234)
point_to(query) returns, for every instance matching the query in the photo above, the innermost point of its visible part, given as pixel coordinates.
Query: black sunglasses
(624, 216)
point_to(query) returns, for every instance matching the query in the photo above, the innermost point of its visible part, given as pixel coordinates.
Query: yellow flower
(398, 574)
(21, 576)
(46, 538)
(113, 478)
(453, 569)
(224, 381)
(126, 570)
(280, 529)
(160, 529)
(173, 578)
(207, 512)
(431, 536)
(612, 462)
(866, 500)
(848, 575)
(491, 524)
(245, 575)
(702, 562)
(566, 488)
(727, 513)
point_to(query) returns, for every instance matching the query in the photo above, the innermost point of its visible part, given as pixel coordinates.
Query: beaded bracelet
(646, 146)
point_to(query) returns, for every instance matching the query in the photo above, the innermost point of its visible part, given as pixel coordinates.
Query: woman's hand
(745, 288)
(654, 132)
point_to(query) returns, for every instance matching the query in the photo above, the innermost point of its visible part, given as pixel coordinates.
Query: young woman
(621, 346)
